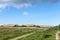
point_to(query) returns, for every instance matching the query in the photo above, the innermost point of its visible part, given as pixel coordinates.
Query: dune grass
(49, 34)
(7, 33)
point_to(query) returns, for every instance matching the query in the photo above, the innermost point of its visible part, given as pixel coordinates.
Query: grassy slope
(7, 33)
(44, 35)
(12, 32)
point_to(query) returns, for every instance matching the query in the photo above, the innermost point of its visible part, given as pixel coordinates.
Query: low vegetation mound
(49, 34)
(7, 33)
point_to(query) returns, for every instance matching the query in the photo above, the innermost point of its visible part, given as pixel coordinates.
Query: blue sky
(40, 13)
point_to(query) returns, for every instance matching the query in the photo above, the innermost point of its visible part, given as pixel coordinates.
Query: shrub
(23, 26)
(16, 25)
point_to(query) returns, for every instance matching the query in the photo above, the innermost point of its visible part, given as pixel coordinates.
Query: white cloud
(16, 3)
(26, 13)
(22, 3)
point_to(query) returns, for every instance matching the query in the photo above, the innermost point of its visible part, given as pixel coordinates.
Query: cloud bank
(23, 3)
(51, 1)
(17, 3)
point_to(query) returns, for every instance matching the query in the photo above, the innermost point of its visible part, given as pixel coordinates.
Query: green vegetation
(16, 25)
(7, 33)
(19, 26)
(49, 34)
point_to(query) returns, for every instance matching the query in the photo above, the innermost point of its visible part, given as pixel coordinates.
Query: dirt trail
(19, 37)
(57, 35)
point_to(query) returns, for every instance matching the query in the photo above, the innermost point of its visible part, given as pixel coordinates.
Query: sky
(41, 12)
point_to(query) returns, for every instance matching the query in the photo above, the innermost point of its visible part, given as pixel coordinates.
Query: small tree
(34, 25)
(59, 25)
(38, 26)
(23, 26)
(16, 25)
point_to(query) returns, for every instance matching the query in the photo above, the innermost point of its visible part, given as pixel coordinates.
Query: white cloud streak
(16, 3)
(23, 3)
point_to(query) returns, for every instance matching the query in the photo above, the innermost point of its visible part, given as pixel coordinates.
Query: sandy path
(19, 37)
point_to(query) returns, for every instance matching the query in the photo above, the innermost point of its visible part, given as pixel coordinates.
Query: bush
(38, 26)
(16, 26)
(47, 36)
(23, 26)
